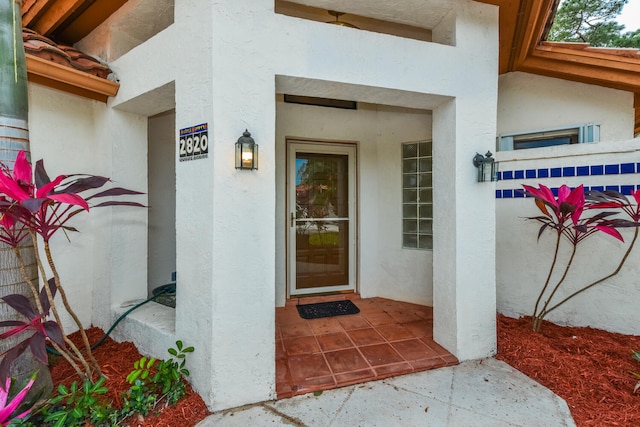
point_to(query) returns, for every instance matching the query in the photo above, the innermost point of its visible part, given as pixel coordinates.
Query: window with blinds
(550, 137)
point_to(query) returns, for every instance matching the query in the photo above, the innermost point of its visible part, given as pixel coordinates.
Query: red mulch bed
(116, 361)
(589, 368)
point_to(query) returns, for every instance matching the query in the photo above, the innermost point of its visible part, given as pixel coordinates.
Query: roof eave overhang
(598, 69)
(69, 80)
(522, 24)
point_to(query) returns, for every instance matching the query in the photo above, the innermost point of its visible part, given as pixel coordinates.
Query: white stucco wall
(162, 200)
(385, 268)
(135, 22)
(122, 254)
(530, 103)
(61, 132)
(99, 266)
(523, 263)
(222, 63)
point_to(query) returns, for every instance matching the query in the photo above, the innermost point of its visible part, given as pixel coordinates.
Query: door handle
(293, 219)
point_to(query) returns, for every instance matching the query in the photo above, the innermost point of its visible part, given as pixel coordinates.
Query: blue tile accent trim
(519, 193)
(627, 190)
(611, 169)
(627, 168)
(571, 171)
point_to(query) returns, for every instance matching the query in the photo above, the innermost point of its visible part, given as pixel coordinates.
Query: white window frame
(586, 133)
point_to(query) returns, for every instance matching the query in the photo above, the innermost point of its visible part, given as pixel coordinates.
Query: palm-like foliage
(42, 329)
(32, 204)
(565, 215)
(14, 135)
(9, 407)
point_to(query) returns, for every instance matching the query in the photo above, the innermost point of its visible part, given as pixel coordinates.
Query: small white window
(548, 138)
(417, 196)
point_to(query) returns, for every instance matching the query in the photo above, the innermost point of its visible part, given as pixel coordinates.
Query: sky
(630, 16)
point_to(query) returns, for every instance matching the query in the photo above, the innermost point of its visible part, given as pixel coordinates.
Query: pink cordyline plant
(36, 322)
(564, 214)
(31, 204)
(7, 409)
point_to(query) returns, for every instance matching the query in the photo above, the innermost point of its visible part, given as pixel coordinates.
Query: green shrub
(79, 405)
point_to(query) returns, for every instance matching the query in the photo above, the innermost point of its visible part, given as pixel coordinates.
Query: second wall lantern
(487, 167)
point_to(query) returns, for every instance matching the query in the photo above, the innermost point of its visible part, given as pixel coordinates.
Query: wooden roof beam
(55, 14)
(533, 16)
(594, 68)
(89, 19)
(33, 9)
(564, 68)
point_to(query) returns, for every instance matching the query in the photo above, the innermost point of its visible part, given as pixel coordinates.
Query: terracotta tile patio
(385, 339)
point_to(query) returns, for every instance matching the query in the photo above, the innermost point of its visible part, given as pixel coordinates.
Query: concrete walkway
(475, 394)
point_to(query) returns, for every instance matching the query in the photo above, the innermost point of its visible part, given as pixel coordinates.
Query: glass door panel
(322, 239)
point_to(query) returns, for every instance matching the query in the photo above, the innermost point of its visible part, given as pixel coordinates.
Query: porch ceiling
(407, 12)
(360, 93)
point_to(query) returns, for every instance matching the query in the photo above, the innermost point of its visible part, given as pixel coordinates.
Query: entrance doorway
(321, 200)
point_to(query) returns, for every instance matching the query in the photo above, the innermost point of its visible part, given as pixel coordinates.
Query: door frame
(294, 145)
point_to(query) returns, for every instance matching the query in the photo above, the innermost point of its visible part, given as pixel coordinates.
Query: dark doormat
(327, 309)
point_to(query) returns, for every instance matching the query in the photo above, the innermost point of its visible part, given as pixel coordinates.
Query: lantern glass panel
(255, 156)
(238, 156)
(247, 156)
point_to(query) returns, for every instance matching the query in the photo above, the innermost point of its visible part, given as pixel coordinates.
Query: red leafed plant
(564, 215)
(42, 329)
(8, 409)
(31, 206)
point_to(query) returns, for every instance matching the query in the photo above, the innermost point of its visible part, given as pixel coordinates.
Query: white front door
(321, 200)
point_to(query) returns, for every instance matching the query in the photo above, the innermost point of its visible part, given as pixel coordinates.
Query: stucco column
(464, 283)
(225, 218)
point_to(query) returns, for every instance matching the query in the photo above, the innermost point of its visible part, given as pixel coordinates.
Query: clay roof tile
(45, 48)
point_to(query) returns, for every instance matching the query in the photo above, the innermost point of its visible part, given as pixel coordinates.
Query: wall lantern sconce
(246, 152)
(487, 167)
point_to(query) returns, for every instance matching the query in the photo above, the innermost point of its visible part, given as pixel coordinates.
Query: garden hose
(160, 290)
